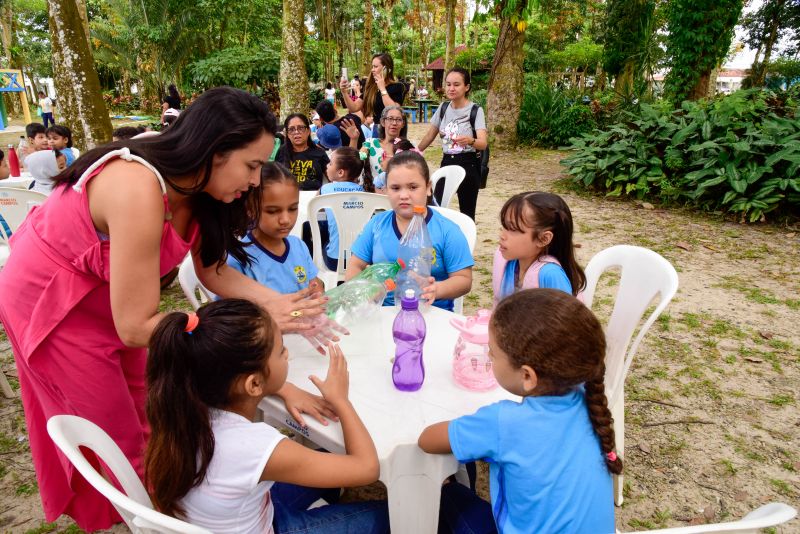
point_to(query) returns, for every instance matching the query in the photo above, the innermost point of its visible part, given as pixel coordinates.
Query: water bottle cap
(401, 263)
(409, 294)
(389, 284)
(419, 210)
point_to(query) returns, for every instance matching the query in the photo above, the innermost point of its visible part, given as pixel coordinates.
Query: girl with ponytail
(550, 455)
(207, 462)
(536, 247)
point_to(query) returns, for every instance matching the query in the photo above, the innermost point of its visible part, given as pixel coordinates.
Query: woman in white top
(208, 462)
(462, 141)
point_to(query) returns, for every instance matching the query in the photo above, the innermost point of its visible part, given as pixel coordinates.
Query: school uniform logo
(300, 274)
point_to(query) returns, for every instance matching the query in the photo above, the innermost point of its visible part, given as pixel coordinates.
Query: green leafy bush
(739, 153)
(549, 116)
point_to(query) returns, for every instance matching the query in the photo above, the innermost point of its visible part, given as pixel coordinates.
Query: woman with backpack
(462, 126)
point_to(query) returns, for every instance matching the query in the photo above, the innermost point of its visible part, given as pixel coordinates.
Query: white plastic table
(20, 182)
(394, 418)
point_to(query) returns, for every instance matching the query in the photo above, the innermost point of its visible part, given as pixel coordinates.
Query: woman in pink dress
(78, 311)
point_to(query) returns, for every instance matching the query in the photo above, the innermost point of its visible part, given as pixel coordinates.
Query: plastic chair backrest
(195, 292)
(70, 432)
(644, 275)
(470, 230)
(768, 515)
(453, 175)
(15, 205)
(352, 211)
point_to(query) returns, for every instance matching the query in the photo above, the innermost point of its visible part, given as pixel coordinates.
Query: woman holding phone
(381, 90)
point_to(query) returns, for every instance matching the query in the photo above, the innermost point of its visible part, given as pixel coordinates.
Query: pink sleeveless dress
(56, 308)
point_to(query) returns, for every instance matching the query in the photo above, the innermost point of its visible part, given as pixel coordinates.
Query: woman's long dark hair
(546, 211)
(370, 90)
(186, 375)
(220, 121)
(173, 92)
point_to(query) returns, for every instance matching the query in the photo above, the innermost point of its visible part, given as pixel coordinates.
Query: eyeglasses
(296, 129)
(396, 120)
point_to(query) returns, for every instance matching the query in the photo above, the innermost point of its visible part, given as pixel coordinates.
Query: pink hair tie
(191, 323)
(612, 456)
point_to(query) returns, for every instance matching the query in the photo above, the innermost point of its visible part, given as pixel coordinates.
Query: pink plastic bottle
(472, 367)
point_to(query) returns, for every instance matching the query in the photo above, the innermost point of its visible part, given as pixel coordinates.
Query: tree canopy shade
(774, 20)
(628, 28)
(700, 34)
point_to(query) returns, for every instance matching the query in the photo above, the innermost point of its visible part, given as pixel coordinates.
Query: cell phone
(344, 73)
(383, 73)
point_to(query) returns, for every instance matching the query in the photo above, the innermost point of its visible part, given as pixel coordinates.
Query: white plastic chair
(15, 205)
(644, 275)
(467, 226)
(453, 175)
(768, 515)
(196, 293)
(351, 211)
(70, 432)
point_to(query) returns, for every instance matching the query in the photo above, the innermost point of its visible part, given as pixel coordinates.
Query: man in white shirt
(47, 109)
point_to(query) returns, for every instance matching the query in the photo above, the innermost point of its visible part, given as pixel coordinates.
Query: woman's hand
(290, 310)
(344, 85)
(299, 401)
(349, 127)
(322, 332)
(379, 81)
(463, 140)
(337, 384)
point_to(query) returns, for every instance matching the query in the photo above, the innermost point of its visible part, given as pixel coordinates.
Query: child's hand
(322, 332)
(299, 401)
(429, 292)
(336, 385)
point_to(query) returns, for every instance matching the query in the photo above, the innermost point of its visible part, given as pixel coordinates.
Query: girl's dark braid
(601, 419)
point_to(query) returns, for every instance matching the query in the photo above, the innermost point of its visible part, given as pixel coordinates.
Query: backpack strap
(443, 110)
(473, 116)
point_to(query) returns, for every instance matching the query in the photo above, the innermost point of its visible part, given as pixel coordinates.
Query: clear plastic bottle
(351, 302)
(23, 144)
(408, 330)
(416, 251)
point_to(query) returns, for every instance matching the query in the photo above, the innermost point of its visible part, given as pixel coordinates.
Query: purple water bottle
(408, 330)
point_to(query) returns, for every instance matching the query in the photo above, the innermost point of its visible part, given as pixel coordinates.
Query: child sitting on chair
(278, 260)
(344, 171)
(536, 247)
(551, 454)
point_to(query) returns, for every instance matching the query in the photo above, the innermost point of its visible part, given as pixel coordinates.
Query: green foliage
(700, 34)
(236, 66)
(549, 117)
(784, 71)
(582, 54)
(627, 30)
(739, 154)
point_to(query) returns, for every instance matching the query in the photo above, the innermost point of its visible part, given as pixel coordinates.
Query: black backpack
(483, 155)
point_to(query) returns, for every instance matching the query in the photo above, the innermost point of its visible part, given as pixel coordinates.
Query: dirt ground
(712, 425)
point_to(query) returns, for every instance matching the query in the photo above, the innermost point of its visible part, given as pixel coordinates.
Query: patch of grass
(781, 400)
(664, 321)
(43, 528)
(744, 447)
(782, 487)
(690, 320)
(721, 327)
(728, 467)
(26, 489)
(658, 519)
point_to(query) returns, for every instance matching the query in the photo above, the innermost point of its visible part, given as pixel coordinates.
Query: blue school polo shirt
(333, 231)
(546, 468)
(288, 273)
(380, 239)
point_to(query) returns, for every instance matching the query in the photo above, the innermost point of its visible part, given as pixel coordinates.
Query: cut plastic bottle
(356, 300)
(416, 251)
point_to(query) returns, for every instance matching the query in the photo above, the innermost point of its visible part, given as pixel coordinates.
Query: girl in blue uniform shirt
(278, 260)
(536, 248)
(408, 184)
(551, 454)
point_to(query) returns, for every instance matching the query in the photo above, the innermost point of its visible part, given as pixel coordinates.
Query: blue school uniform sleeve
(554, 277)
(476, 436)
(363, 246)
(456, 251)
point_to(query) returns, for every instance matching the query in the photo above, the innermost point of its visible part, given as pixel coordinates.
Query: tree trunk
(712, 82)
(450, 24)
(700, 90)
(84, 19)
(623, 84)
(80, 101)
(761, 74)
(505, 84)
(7, 23)
(366, 49)
(293, 78)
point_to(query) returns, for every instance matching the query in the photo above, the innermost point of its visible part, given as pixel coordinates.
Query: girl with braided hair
(536, 247)
(551, 455)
